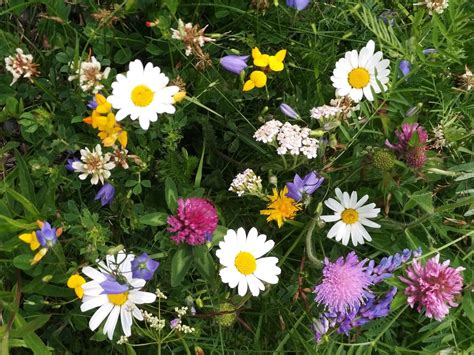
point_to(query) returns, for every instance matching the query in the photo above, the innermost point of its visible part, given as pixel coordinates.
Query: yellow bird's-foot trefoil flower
(267, 64)
(281, 208)
(76, 281)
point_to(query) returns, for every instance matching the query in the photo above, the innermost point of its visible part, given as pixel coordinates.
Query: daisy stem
(309, 245)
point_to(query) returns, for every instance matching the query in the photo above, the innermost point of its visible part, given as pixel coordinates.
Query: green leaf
(468, 305)
(28, 206)
(23, 261)
(422, 199)
(32, 340)
(123, 55)
(31, 326)
(14, 225)
(180, 265)
(27, 188)
(171, 194)
(153, 219)
(172, 5)
(204, 262)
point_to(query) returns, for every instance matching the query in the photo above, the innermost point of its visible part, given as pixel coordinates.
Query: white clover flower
(268, 131)
(90, 75)
(94, 163)
(437, 6)
(246, 182)
(192, 36)
(21, 65)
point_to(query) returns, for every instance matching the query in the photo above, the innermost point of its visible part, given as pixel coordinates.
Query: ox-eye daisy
(142, 93)
(115, 292)
(351, 216)
(241, 256)
(358, 73)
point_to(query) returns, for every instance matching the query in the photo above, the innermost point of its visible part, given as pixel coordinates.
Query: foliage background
(199, 150)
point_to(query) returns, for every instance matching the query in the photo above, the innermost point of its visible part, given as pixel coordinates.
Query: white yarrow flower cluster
(160, 294)
(181, 311)
(295, 140)
(268, 131)
(324, 111)
(90, 75)
(291, 139)
(94, 163)
(183, 328)
(21, 65)
(122, 340)
(246, 182)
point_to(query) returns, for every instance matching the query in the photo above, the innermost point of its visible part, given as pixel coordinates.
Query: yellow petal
(108, 141)
(39, 223)
(123, 138)
(275, 64)
(280, 56)
(26, 237)
(39, 255)
(179, 96)
(79, 292)
(256, 53)
(100, 99)
(261, 61)
(249, 85)
(75, 280)
(34, 244)
(259, 78)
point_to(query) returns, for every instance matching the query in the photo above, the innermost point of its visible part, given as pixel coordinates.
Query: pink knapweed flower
(195, 221)
(345, 284)
(414, 152)
(433, 287)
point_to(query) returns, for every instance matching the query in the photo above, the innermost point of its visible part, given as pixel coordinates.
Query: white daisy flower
(142, 93)
(241, 256)
(94, 163)
(358, 73)
(115, 292)
(351, 216)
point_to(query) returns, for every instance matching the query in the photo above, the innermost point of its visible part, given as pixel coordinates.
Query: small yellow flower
(281, 207)
(179, 97)
(103, 106)
(258, 79)
(76, 281)
(275, 62)
(30, 238)
(39, 255)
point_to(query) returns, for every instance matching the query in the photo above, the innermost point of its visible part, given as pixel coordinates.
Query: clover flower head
(21, 65)
(90, 75)
(94, 163)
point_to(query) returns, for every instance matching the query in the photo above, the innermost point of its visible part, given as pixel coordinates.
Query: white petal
(242, 286)
(94, 302)
(93, 274)
(347, 234)
(126, 321)
(267, 246)
(136, 312)
(341, 232)
(334, 205)
(241, 237)
(140, 297)
(331, 218)
(335, 229)
(353, 199)
(339, 194)
(368, 93)
(356, 94)
(111, 322)
(368, 223)
(361, 202)
(100, 315)
(253, 286)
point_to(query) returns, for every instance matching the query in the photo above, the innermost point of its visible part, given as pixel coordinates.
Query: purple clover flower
(144, 267)
(410, 147)
(106, 194)
(288, 111)
(405, 67)
(306, 186)
(47, 235)
(234, 63)
(298, 4)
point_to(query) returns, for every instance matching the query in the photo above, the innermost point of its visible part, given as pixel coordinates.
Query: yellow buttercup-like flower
(76, 281)
(281, 207)
(258, 79)
(30, 238)
(275, 62)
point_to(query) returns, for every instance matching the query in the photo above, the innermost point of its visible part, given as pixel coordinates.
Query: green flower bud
(384, 159)
(226, 319)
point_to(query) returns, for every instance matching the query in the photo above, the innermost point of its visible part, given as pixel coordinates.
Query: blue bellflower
(144, 267)
(405, 67)
(68, 165)
(287, 110)
(234, 63)
(111, 286)
(298, 4)
(306, 186)
(106, 194)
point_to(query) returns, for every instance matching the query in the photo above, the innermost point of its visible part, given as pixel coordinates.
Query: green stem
(309, 245)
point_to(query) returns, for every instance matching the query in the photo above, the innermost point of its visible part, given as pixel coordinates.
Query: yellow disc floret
(245, 263)
(359, 78)
(349, 216)
(142, 95)
(118, 299)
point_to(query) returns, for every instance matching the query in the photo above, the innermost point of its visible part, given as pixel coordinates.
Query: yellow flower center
(118, 299)
(245, 263)
(349, 216)
(359, 78)
(142, 95)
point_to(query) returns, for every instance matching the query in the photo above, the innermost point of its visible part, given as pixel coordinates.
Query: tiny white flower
(358, 73)
(94, 163)
(90, 75)
(351, 216)
(244, 266)
(142, 93)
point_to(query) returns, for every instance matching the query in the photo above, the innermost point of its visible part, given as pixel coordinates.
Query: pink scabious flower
(195, 221)
(345, 284)
(433, 287)
(414, 153)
